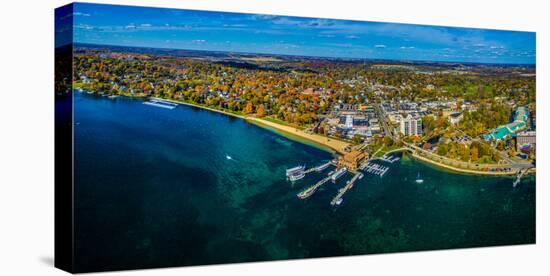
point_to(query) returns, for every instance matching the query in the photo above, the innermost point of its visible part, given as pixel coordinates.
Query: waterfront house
(352, 159)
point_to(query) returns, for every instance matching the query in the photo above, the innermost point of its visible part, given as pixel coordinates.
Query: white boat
(339, 173)
(296, 173)
(295, 177)
(162, 104)
(295, 170)
(339, 201)
(418, 179)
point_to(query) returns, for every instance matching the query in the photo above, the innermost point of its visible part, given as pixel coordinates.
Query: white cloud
(80, 14)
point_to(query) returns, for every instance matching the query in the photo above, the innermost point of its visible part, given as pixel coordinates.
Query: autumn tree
(249, 108)
(260, 111)
(474, 152)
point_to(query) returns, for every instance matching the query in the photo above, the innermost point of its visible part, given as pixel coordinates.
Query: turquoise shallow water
(154, 187)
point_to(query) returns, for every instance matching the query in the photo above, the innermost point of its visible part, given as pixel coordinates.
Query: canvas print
(189, 137)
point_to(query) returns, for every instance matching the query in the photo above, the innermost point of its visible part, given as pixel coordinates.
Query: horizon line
(308, 56)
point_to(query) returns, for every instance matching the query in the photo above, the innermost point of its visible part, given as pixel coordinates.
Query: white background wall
(27, 121)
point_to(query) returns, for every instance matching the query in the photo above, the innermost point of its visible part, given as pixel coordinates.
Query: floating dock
(338, 198)
(374, 168)
(390, 159)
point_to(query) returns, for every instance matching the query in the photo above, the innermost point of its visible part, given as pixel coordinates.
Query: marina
(374, 168)
(389, 159)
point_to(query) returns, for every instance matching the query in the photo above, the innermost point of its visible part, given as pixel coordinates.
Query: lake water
(156, 187)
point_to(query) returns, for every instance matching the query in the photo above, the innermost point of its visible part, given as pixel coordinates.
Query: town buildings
(526, 140)
(411, 126)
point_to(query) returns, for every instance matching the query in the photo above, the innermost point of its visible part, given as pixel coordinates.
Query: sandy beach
(334, 144)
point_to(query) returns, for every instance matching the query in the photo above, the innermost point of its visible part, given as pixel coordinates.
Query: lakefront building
(353, 159)
(510, 130)
(411, 126)
(525, 140)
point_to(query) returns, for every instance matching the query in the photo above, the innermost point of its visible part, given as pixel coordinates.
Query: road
(383, 120)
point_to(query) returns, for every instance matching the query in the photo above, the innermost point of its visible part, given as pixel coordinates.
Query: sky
(269, 34)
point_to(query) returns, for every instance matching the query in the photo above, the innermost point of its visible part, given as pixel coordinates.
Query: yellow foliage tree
(475, 153)
(249, 108)
(260, 111)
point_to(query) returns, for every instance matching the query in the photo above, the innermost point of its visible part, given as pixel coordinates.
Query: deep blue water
(154, 187)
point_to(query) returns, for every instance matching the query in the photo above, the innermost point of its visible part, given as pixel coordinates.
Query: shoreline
(323, 141)
(332, 145)
(461, 170)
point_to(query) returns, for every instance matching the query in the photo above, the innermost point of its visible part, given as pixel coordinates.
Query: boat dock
(518, 177)
(338, 198)
(374, 168)
(389, 159)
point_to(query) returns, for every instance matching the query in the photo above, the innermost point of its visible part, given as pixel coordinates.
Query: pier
(338, 198)
(300, 172)
(319, 168)
(309, 191)
(519, 176)
(339, 173)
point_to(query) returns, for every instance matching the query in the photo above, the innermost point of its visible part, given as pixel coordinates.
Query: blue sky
(200, 30)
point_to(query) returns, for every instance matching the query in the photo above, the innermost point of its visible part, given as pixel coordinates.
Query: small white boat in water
(418, 179)
(228, 157)
(295, 173)
(339, 201)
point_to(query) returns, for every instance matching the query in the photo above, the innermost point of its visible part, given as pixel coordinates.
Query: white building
(349, 121)
(411, 125)
(454, 118)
